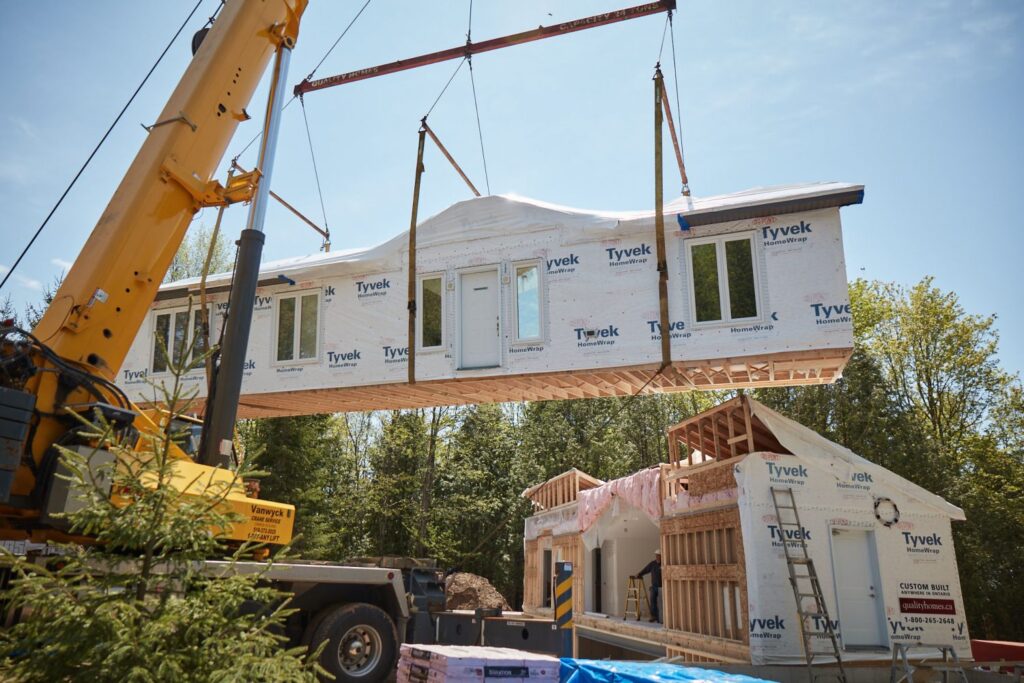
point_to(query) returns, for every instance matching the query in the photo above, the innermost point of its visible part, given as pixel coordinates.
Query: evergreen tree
(137, 605)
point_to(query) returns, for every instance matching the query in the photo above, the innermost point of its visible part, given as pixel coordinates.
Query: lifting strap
(659, 226)
(672, 132)
(448, 156)
(412, 254)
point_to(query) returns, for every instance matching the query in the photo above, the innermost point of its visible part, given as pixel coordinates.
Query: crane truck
(67, 364)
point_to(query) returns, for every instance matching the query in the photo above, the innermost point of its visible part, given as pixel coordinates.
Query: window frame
(296, 332)
(541, 317)
(420, 279)
(190, 326)
(724, 300)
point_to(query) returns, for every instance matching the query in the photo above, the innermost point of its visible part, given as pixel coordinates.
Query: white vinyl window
(174, 333)
(723, 279)
(529, 322)
(298, 327)
(431, 311)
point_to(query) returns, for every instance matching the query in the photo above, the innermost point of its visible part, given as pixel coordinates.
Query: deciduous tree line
(923, 395)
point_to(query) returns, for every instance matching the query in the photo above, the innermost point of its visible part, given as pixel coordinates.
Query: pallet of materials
(465, 664)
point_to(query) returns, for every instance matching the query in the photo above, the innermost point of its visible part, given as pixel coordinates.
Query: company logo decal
(927, 606)
(376, 288)
(786, 474)
(628, 257)
(858, 480)
(770, 628)
(675, 330)
(928, 544)
(348, 359)
(782, 536)
(605, 336)
(751, 329)
(135, 376)
(533, 348)
(901, 630)
(831, 314)
(819, 625)
(395, 354)
(790, 234)
(562, 264)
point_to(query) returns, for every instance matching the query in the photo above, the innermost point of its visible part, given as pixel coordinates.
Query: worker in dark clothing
(654, 569)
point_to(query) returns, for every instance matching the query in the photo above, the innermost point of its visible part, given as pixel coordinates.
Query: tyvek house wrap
(598, 273)
(836, 489)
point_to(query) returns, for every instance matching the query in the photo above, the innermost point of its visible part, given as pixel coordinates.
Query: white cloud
(4, 269)
(27, 128)
(61, 263)
(29, 283)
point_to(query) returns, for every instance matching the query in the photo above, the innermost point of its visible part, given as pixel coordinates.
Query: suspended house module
(522, 300)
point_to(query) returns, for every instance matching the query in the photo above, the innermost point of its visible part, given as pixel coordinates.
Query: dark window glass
(199, 338)
(180, 336)
(160, 337)
(431, 310)
(705, 282)
(308, 327)
(286, 329)
(739, 264)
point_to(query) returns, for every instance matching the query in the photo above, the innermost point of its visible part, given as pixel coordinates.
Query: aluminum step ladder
(810, 602)
(636, 593)
(903, 670)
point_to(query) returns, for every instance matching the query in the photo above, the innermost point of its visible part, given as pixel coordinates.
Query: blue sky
(920, 101)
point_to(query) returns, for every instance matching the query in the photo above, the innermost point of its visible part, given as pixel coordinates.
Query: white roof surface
(493, 215)
(818, 451)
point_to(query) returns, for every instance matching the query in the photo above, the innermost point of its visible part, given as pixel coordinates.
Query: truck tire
(362, 643)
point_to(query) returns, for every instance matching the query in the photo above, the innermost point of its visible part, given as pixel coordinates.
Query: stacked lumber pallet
(464, 664)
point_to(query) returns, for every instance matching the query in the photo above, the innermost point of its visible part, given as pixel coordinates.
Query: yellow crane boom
(98, 309)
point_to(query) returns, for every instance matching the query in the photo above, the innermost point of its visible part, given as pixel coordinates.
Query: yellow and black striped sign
(563, 595)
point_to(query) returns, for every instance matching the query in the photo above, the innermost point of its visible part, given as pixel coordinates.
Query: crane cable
(675, 82)
(316, 173)
(476, 104)
(99, 144)
(310, 76)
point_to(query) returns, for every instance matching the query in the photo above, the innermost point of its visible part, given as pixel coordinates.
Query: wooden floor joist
(796, 367)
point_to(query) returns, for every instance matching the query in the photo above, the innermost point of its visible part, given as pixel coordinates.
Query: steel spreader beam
(471, 48)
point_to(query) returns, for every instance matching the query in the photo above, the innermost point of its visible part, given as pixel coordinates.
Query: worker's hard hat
(657, 551)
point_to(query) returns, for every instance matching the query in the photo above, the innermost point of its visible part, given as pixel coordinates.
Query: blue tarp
(604, 671)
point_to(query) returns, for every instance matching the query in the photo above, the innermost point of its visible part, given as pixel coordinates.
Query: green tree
(309, 466)
(137, 605)
(193, 252)
(923, 395)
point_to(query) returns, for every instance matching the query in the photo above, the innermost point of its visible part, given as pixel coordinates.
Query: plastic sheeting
(604, 671)
(596, 305)
(641, 490)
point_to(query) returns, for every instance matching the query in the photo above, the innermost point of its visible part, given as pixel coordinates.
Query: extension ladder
(636, 593)
(810, 602)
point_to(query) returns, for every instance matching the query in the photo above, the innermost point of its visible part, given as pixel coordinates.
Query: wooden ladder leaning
(811, 610)
(636, 593)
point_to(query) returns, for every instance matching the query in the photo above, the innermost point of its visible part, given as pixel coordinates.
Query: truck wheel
(361, 643)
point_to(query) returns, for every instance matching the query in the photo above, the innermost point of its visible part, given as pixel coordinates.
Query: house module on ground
(882, 546)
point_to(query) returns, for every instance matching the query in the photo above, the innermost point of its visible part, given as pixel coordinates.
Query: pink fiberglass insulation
(641, 490)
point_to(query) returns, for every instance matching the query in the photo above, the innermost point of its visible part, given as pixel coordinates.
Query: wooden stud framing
(791, 368)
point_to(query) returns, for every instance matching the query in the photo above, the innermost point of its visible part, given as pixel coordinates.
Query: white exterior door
(480, 340)
(854, 562)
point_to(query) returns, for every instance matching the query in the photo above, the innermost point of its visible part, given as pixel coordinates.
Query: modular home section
(521, 300)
